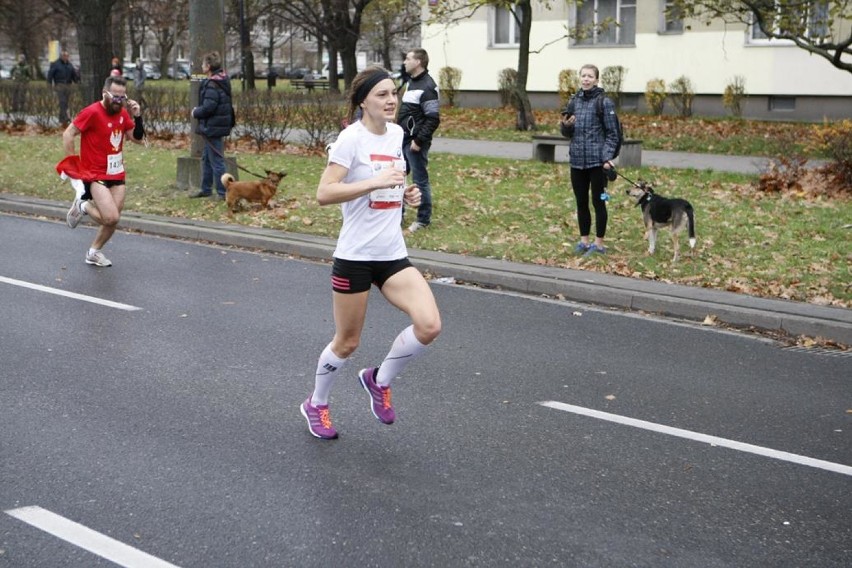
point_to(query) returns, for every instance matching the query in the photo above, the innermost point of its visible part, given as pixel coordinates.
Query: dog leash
(624, 177)
(218, 153)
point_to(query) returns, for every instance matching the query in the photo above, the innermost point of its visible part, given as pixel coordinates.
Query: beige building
(782, 81)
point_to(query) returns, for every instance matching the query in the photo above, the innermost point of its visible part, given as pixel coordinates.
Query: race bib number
(115, 164)
(390, 197)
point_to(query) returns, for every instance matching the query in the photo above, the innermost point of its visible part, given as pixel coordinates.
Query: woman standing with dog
(591, 125)
(366, 175)
(215, 115)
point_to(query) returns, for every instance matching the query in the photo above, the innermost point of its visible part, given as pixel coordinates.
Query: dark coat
(62, 73)
(215, 110)
(593, 140)
(419, 115)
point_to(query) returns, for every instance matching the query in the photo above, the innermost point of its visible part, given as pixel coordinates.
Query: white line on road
(87, 539)
(697, 436)
(67, 294)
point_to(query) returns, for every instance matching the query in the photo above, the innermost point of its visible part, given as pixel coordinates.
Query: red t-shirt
(101, 142)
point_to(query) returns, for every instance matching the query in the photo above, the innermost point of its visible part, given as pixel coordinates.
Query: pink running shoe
(319, 420)
(380, 397)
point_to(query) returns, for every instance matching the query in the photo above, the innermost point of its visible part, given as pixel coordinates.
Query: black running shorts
(355, 276)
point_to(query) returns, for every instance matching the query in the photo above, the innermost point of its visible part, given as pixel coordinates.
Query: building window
(782, 104)
(505, 29)
(671, 20)
(812, 23)
(605, 22)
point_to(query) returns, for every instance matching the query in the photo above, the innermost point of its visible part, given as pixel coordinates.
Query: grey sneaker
(98, 259)
(416, 226)
(74, 214)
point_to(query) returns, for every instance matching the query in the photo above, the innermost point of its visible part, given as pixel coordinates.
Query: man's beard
(113, 108)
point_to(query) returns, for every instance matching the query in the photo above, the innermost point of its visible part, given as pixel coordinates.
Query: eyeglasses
(117, 98)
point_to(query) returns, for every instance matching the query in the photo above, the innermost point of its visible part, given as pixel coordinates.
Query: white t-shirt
(371, 223)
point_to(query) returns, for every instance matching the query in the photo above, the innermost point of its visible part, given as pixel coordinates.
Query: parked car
(294, 73)
(152, 73)
(183, 71)
(324, 73)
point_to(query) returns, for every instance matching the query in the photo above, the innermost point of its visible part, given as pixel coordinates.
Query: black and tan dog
(260, 191)
(659, 212)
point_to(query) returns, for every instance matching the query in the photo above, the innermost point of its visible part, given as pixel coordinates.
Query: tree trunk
(525, 117)
(92, 18)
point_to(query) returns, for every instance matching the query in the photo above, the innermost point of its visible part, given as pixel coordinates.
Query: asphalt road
(174, 428)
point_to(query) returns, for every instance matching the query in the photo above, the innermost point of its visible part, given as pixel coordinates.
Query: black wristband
(139, 128)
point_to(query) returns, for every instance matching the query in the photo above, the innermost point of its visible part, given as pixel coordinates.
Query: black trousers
(581, 182)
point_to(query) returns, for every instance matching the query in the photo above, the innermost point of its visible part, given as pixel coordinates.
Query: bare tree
(820, 27)
(92, 19)
(137, 27)
(24, 24)
(168, 19)
(338, 21)
(386, 21)
(452, 11)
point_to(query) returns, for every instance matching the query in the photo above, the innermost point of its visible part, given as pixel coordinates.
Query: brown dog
(260, 191)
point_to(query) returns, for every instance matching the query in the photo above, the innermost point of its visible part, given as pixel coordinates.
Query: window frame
(514, 31)
(753, 28)
(621, 7)
(664, 22)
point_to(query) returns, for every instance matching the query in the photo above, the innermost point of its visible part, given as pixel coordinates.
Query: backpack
(618, 130)
(569, 131)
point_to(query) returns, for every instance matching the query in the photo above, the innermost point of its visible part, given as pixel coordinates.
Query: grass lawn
(776, 246)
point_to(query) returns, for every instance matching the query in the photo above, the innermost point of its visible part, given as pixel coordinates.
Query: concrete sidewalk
(671, 300)
(523, 151)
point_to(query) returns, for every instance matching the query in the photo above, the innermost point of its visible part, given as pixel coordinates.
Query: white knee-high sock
(404, 350)
(328, 367)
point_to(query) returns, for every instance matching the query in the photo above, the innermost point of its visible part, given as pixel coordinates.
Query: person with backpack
(215, 116)
(589, 120)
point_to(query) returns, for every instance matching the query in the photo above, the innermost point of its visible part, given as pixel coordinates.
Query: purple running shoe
(319, 420)
(380, 397)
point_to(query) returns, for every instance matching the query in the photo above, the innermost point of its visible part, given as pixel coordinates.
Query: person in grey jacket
(594, 138)
(215, 115)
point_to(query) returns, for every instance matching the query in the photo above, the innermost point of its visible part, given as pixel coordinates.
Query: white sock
(404, 350)
(83, 207)
(93, 251)
(328, 366)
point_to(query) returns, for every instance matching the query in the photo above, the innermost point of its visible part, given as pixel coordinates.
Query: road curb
(672, 300)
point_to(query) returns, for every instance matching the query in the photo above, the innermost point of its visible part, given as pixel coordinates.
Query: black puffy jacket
(215, 110)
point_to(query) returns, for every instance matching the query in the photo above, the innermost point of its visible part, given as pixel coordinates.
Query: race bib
(115, 164)
(390, 197)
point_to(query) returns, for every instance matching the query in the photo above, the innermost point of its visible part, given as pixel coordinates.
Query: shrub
(569, 84)
(682, 95)
(506, 81)
(612, 81)
(836, 139)
(735, 95)
(321, 118)
(267, 115)
(655, 95)
(449, 79)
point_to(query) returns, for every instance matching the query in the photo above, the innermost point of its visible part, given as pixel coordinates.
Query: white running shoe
(98, 259)
(416, 226)
(74, 214)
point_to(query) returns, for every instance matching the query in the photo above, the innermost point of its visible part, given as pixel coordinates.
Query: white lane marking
(87, 539)
(74, 295)
(699, 437)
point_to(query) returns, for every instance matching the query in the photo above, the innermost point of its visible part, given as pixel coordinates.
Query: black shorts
(355, 276)
(87, 195)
